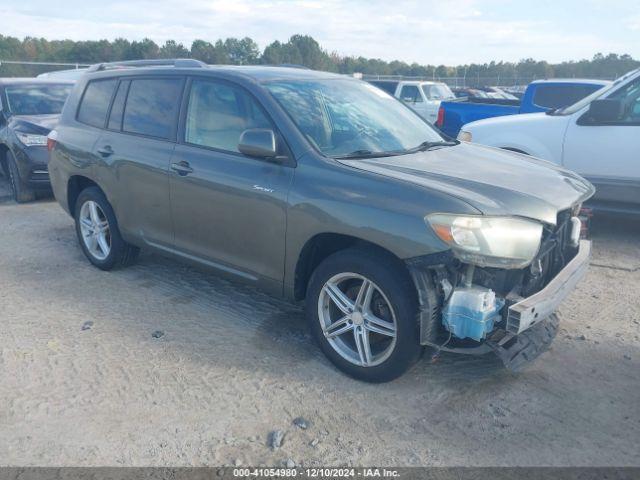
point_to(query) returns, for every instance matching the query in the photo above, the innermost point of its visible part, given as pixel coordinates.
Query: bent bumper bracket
(531, 310)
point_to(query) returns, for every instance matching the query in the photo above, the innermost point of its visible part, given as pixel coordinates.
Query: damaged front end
(475, 309)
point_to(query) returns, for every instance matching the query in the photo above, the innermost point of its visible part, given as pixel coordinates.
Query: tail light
(52, 140)
(440, 119)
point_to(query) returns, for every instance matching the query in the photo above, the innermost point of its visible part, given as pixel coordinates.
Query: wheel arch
(321, 246)
(75, 185)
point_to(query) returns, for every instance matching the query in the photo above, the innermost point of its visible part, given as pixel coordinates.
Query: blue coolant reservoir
(471, 312)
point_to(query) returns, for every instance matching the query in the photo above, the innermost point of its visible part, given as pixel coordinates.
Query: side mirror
(606, 110)
(258, 142)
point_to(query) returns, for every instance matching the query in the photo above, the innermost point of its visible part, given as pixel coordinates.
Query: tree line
(299, 50)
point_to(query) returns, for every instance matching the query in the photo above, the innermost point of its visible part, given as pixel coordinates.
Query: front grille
(555, 252)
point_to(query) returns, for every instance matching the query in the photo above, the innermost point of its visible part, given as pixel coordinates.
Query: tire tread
(122, 253)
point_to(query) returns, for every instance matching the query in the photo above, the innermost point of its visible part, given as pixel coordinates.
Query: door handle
(106, 151)
(182, 168)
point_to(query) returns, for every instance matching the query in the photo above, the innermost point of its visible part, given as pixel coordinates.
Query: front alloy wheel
(357, 319)
(362, 309)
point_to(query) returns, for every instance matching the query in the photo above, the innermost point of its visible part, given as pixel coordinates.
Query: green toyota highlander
(323, 188)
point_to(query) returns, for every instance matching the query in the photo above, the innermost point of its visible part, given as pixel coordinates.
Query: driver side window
(630, 97)
(218, 113)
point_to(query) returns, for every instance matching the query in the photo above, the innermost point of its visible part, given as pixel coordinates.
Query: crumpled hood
(36, 124)
(494, 181)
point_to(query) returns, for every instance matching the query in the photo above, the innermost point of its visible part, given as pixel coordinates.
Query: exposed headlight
(502, 242)
(465, 136)
(31, 140)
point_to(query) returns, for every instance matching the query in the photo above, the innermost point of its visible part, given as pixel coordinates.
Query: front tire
(22, 193)
(362, 310)
(98, 233)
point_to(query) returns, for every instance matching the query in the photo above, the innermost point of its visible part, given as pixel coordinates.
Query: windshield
(437, 92)
(36, 99)
(343, 117)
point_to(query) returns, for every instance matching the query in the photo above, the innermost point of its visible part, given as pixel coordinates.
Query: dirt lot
(233, 365)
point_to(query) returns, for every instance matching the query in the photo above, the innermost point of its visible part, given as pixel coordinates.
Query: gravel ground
(163, 364)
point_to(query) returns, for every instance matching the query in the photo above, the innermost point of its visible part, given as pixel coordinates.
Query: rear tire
(98, 233)
(22, 193)
(385, 316)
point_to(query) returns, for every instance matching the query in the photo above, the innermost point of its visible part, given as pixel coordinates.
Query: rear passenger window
(152, 106)
(558, 96)
(95, 102)
(218, 114)
(115, 117)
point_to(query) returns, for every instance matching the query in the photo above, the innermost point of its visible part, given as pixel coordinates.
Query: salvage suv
(320, 187)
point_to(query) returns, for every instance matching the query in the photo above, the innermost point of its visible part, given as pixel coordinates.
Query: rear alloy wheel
(98, 233)
(94, 227)
(362, 309)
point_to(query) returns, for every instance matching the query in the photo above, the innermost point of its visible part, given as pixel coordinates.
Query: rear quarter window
(558, 96)
(95, 102)
(152, 107)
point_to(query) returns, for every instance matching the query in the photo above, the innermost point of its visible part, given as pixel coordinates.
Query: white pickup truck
(598, 137)
(422, 96)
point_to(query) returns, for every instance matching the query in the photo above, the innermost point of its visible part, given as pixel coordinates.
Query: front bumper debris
(530, 324)
(517, 351)
(529, 311)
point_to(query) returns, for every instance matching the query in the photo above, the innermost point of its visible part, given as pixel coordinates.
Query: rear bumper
(531, 310)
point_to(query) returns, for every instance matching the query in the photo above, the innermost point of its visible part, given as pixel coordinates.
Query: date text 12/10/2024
(316, 472)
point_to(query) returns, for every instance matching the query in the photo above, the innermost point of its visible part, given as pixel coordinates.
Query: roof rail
(283, 65)
(170, 62)
(293, 65)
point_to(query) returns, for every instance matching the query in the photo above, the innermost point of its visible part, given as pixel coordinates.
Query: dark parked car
(320, 187)
(29, 108)
(469, 93)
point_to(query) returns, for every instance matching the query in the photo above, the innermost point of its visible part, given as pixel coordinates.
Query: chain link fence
(15, 68)
(515, 81)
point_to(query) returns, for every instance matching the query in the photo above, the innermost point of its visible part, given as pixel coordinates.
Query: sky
(427, 32)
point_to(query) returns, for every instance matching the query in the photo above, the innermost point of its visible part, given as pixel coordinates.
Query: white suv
(598, 137)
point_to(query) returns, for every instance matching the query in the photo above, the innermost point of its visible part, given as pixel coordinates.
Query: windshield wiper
(365, 154)
(424, 146)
